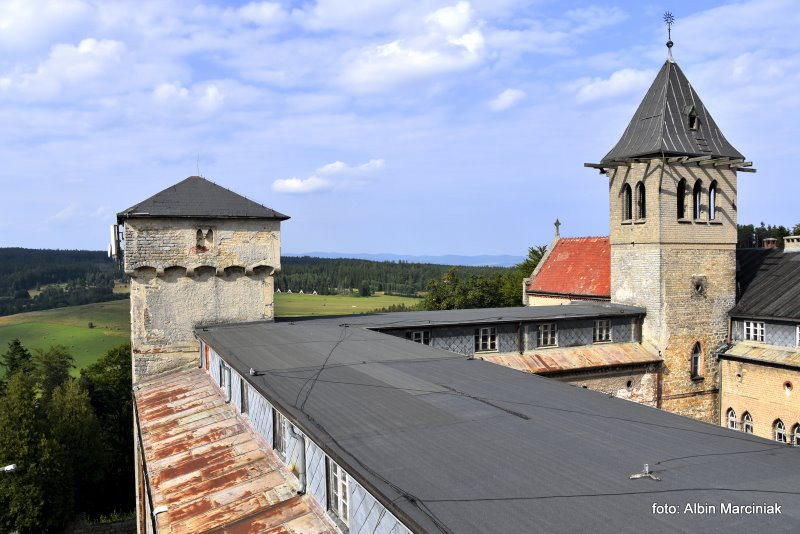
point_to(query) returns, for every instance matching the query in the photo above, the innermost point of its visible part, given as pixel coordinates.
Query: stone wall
(683, 271)
(637, 384)
(187, 273)
(761, 391)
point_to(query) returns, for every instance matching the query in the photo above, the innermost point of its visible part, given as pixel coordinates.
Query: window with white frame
(225, 380)
(486, 339)
(754, 331)
(337, 492)
(747, 423)
(278, 432)
(419, 336)
(546, 335)
(733, 423)
(780, 431)
(602, 330)
(796, 435)
(797, 340)
(244, 401)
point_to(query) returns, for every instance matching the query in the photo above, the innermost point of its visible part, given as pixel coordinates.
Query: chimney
(770, 242)
(791, 243)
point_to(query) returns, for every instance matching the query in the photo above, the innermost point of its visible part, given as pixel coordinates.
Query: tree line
(343, 275)
(70, 438)
(751, 236)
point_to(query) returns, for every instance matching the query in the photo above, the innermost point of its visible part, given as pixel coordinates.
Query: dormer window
(691, 113)
(693, 122)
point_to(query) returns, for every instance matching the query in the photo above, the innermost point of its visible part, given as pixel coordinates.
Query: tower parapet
(197, 254)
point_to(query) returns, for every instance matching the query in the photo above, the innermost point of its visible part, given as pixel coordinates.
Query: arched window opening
(627, 203)
(641, 208)
(796, 435)
(747, 423)
(733, 423)
(697, 196)
(712, 201)
(682, 199)
(199, 238)
(697, 371)
(780, 431)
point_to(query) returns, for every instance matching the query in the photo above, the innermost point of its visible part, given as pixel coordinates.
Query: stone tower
(672, 197)
(197, 254)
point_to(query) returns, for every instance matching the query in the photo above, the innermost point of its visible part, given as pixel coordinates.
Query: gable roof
(661, 123)
(575, 267)
(449, 444)
(196, 197)
(768, 283)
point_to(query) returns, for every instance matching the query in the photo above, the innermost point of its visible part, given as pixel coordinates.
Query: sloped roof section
(209, 469)
(769, 284)
(662, 123)
(576, 267)
(751, 351)
(196, 197)
(561, 360)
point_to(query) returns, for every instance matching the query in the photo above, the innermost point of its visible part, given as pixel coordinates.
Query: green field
(70, 326)
(296, 305)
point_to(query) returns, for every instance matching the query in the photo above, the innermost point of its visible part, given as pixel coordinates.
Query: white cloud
(506, 99)
(299, 186)
(349, 176)
(262, 13)
(620, 82)
(67, 212)
(27, 24)
(206, 97)
(452, 42)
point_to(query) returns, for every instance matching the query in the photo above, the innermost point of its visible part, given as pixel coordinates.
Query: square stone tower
(672, 199)
(197, 254)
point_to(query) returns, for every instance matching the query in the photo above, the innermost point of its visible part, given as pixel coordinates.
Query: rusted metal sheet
(762, 352)
(207, 466)
(558, 360)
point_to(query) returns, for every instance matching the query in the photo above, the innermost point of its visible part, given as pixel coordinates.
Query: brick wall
(682, 271)
(761, 391)
(637, 384)
(180, 281)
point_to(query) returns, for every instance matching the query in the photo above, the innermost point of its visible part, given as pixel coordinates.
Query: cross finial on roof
(557, 224)
(669, 20)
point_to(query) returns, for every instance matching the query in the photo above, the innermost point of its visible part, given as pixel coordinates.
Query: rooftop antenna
(669, 20)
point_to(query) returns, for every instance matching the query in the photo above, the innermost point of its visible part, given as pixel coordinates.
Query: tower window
(796, 435)
(682, 199)
(697, 361)
(712, 201)
(693, 122)
(780, 431)
(641, 210)
(627, 203)
(747, 423)
(697, 196)
(732, 421)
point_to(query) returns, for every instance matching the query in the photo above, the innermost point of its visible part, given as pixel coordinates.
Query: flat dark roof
(451, 444)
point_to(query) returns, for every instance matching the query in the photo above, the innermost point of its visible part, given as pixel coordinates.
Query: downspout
(519, 337)
(301, 461)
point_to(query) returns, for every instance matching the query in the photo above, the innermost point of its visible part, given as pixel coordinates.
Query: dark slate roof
(196, 197)
(769, 284)
(457, 445)
(661, 123)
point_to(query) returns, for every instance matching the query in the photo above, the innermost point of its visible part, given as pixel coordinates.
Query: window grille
(419, 336)
(546, 335)
(733, 423)
(747, 423)
(486, 339)
(753, 331)
(780, 431)
(337, 492)
(602, 330)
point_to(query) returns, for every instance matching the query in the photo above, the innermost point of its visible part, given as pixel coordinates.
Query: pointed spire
(557, 224)
(669, 20)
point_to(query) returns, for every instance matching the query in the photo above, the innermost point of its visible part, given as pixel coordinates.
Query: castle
(375, 420)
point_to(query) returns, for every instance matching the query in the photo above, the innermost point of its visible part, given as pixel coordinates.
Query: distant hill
(500, 260)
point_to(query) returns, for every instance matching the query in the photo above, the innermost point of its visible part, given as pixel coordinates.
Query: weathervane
(669, 20)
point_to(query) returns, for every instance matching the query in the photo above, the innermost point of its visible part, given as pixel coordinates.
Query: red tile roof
(210, 469)
(575, 267)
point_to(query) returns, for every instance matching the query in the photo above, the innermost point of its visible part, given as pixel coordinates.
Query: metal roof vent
(646, 473)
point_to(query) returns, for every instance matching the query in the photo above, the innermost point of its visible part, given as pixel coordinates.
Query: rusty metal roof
(763, 353)
(210, 469)
(555, 360)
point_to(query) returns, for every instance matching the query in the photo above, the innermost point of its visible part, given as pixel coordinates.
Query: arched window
(641, 208)
(682, 199)
(697, 197)
(732, 421)
(747, 423)
(780, 431)
(627, 203)
(697, 368)
(712, 201)
(796, 435)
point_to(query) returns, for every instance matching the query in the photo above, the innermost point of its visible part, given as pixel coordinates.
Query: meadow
(111, 322)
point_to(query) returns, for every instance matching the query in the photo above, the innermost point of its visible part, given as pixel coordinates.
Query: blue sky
(452, 127)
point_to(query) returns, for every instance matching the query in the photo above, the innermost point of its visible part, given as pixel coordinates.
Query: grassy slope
(70, 326)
